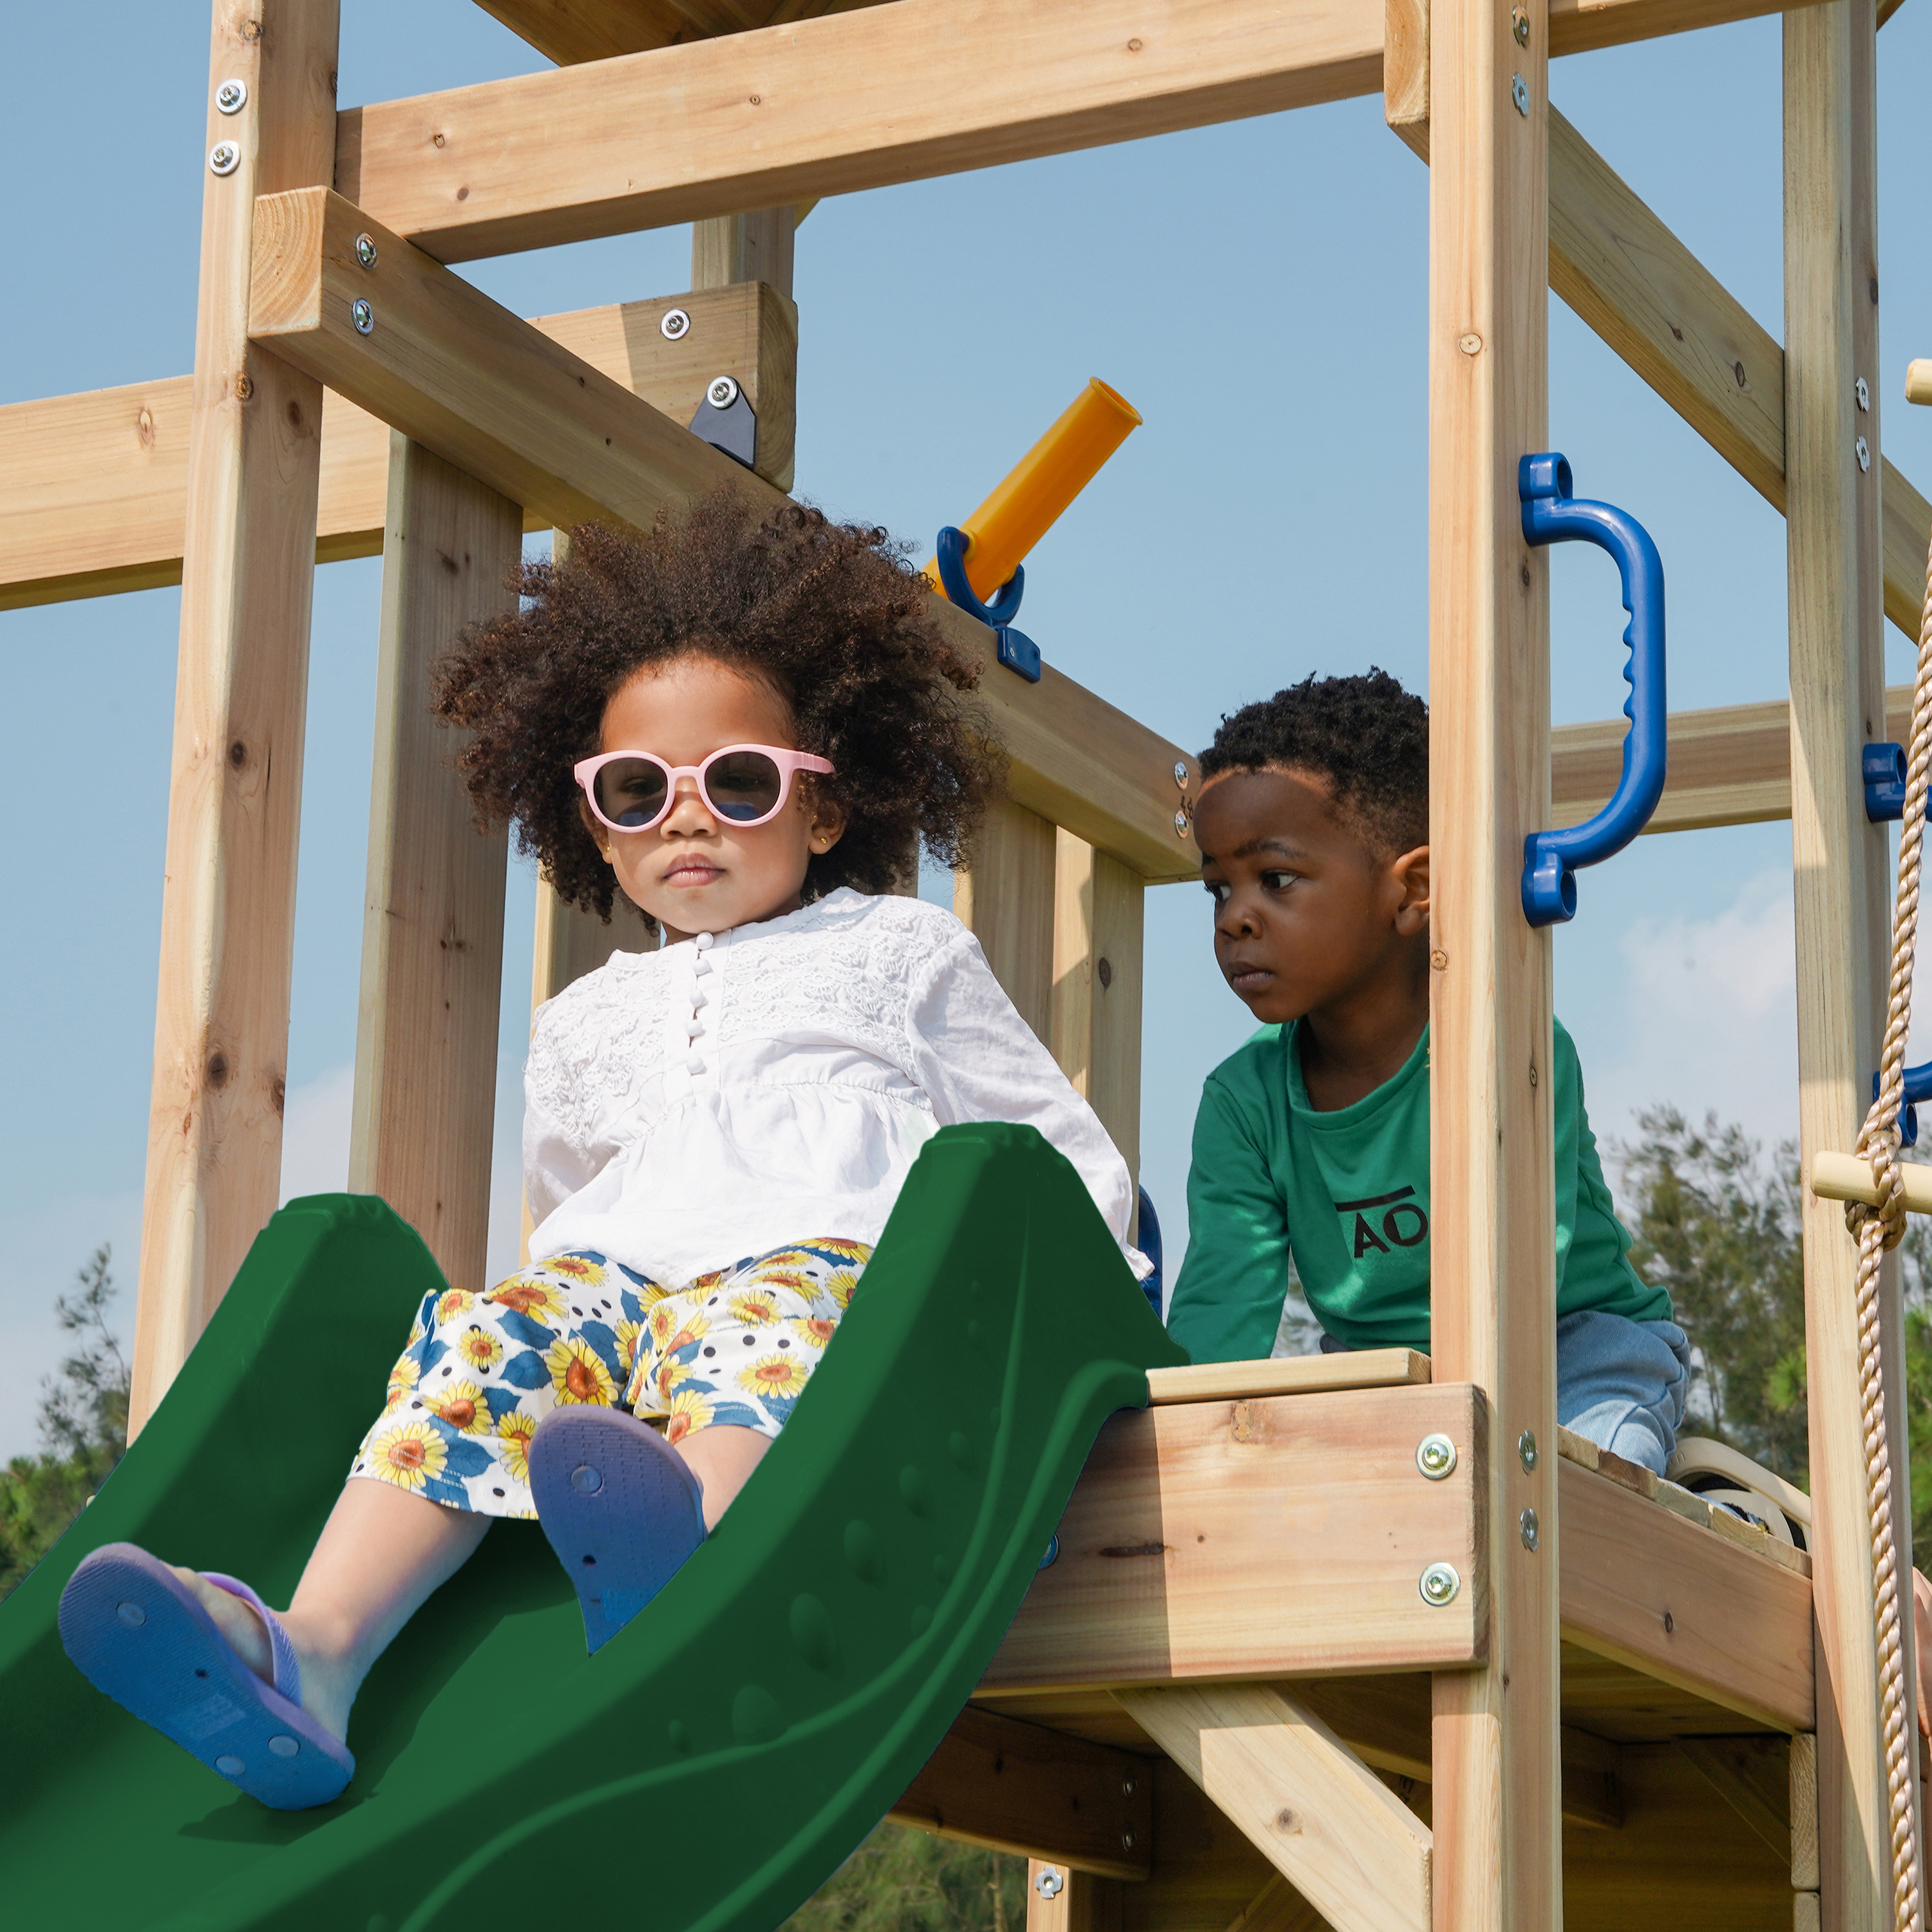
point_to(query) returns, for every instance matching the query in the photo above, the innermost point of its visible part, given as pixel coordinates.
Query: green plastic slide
(711, 1766)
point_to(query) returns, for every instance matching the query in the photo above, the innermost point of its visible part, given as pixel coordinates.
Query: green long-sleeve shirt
(1346, 1192)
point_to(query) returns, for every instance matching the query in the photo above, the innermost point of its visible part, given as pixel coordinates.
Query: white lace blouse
(717, 1099)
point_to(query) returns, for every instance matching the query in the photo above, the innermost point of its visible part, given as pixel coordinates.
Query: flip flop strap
(288, 1671)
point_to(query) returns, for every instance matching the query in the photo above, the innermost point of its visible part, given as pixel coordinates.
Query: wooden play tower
(1286, 1671)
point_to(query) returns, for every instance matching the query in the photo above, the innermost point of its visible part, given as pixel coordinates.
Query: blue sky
(1257, 290)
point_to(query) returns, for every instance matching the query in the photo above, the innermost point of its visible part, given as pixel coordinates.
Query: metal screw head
(363, 316)
(231, 96)
(1439, 1584)
(1180, 825)
(721, 392)
(673, 324)
(1127, 1787)
(1050, 1884)
(1519, 94)
(1525, 1451)
(365, 250)
(1435, 1456)
(1520, 25)
(1862, 390)
(1180, 774)
(1126, 1841)
(1527, 1524)
(1864, 454)
(224, 157)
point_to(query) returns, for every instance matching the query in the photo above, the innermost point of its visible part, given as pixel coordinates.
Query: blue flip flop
(135, 1631)
(620, 1506)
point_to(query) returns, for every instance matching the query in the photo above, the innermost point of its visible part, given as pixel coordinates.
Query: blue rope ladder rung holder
(1018, 652)
(1551, 514)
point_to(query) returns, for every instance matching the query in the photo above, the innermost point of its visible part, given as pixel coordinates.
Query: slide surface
(711, 1766)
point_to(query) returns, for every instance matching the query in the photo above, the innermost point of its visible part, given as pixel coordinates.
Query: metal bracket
(1017, 651)
(726, 420)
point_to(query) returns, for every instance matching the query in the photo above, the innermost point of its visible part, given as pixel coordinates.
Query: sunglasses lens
(745, 786)
(630, 792)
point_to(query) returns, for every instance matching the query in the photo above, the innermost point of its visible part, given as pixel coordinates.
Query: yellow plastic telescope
(1007, 525)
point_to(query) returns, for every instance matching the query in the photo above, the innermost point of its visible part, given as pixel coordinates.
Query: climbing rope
(1878, 1230)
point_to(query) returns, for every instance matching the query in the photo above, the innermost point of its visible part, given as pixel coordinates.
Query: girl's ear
(825, 824)
(1409, 875)
(595, 827)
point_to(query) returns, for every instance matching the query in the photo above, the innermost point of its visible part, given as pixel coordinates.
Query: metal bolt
(1520, 25)
(1180, 774)
(1519, 94)
(1180, 825)
(1050, 1883)
(1525, 1451)
(1435, 1456)
(1862, 390)
(1126, 1841)
(363, 316)
(1126, 1787)
(365, 250)
(673, 323)
(231, 96)
(1864, 454)
(224, 157)
(1439, 1584)
(1526, 1523)
(722, 393)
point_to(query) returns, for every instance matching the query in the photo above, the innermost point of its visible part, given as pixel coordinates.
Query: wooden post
(744, 248)
(1839, 865)
(1006, 896)
(1059, 1899)
(1497, 1779)
(221, 1017)
(1098, 926)
(433, 918)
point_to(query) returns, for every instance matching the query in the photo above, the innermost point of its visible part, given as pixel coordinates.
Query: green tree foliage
(83, 1429)
(903, 1880)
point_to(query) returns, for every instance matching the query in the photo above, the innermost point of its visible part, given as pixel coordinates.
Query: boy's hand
(1921, 1625)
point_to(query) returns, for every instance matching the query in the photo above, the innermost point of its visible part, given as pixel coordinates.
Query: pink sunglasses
(745, 784)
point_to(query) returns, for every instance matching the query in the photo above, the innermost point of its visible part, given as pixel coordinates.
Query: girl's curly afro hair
(830, 614)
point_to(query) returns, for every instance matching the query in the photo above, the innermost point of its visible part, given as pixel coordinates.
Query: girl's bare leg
(722, 1458)
(381, 1553)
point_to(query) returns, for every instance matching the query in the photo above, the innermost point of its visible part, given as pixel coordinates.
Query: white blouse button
(700, 965)
(694, 1028)
(699, 998)
(695, 1064)
(704, 941)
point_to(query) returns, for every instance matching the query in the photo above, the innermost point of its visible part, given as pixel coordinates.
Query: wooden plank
(93, 496)
(221, 1019)
(425, 1093)
(1206, 1874)
(1020, 1788)
(1839, 865)
(1212, 1539)
(1651, 1590)
(505, 404)
(893, 93)
(1098, 922)
(1005, 894)
(1803, 1811)
(1061, 1898)
(1498, 1781)
(1752, 1776)
(1288, 1374)
(1332, 1828)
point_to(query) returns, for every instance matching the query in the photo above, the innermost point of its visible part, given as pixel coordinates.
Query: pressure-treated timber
(1215, 1539)
(1497, 1777)
(221, 1020)
(1840, 883)
(1020, 1788)
(1005, 894)
(494, 396)
(425, 1092)
(1288, 1374)
(1061, 1898)
(1332, 1828)
(1099, 921)
(891, 94)
(93, 492)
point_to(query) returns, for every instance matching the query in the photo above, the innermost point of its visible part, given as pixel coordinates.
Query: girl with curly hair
(744, 726)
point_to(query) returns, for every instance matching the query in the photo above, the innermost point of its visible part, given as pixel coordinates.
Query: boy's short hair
(1366, 735)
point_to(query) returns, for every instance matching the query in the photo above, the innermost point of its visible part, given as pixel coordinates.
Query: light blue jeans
(1623, 1384)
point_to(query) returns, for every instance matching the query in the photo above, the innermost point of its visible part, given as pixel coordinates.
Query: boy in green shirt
(1312, 1141)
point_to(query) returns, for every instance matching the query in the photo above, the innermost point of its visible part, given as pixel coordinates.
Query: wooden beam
(505, 404)
(214, 1137)
(1752, 1776)
(1331, 1827)
(1099, 921)
(892, 94)
(425, 1094)
(1839, 864)
(1497, 1782)
(1061, 1898)
(1005, 893)
(1020, 1788)
(1214, 1539)
(1288, 1374)
(94, 495)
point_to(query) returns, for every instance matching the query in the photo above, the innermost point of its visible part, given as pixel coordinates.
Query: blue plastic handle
(1550, 514)
(1882, 768)
(1006, 604)
(1917, 1086)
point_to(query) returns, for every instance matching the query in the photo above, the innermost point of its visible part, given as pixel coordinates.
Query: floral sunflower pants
(481, 1371)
